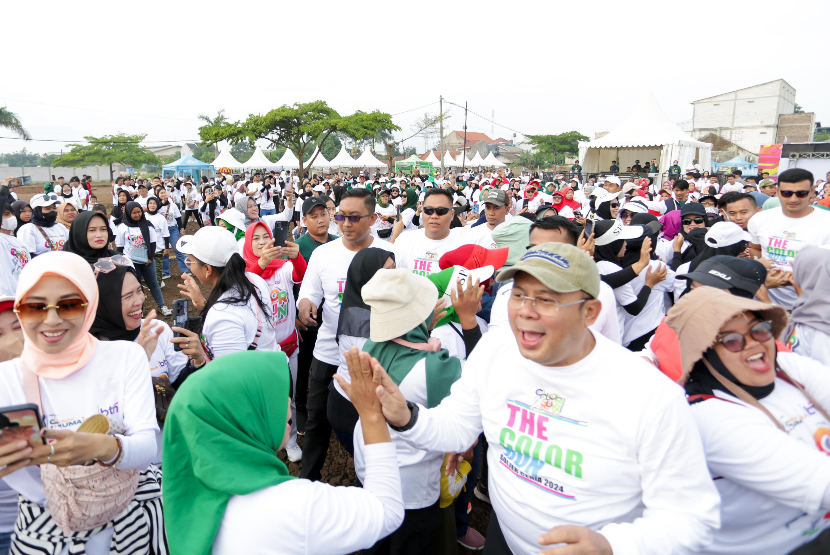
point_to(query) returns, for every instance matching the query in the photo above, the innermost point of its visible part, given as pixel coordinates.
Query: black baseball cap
(311, 202)
(743, 276)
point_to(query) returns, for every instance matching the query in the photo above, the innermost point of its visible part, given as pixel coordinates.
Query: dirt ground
(339, 467)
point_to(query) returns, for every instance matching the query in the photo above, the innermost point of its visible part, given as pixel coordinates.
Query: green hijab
(221, 435)
(398, 360)
(411, 199)
(380, 203)
(48, 188)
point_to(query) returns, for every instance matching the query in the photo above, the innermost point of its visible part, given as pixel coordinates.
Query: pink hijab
(671, 224)
(75, 269)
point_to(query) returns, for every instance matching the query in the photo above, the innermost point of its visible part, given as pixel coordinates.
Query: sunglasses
(690, 221)
(353, 219)
(799, 194)
(107, 265)
(615, 205)
(440, 210)
(736, 342)
(67, 309)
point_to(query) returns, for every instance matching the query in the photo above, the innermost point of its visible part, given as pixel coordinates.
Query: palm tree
(218, 120)
(9, 120)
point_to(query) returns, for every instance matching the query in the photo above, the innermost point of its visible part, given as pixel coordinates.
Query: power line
(96, 110)
(489, 120)
(101, 141)
(413, 109)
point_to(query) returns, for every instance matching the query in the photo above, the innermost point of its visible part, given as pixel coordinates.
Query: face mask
(10, 223)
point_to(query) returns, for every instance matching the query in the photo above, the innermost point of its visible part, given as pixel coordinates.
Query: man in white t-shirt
(325, 278)
(496, 208)
(588, 445)
(420, 249)
(731, 185)
(778, 234)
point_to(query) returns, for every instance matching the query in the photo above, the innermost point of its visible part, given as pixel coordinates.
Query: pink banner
(768, 160)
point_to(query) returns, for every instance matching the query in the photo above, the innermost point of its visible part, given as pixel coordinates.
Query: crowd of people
(616, 366)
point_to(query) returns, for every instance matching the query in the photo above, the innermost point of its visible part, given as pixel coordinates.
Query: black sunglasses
(689, 221)
(353, 219)
(799, 194)
(440, 210)
(615, 205)
(736, 342)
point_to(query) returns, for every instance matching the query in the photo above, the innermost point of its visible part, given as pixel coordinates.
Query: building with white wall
(746, 117)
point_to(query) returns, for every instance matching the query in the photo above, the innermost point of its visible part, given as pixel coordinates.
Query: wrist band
(118, 455)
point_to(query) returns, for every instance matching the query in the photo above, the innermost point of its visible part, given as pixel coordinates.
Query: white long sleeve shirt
(771, 483)
(608, 443)
(303, 517)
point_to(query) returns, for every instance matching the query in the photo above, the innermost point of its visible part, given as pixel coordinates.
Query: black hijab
(702, 382)
(17, 207)
(652, 227)
(44, 220)
(697, 242)
(118, 210)
(78, 242)
(354, 313)
(109, 319)
(140, 223)
(610, 251)
(158, 206)
(603, 210)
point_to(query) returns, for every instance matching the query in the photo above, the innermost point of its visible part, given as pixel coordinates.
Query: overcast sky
(91, 68)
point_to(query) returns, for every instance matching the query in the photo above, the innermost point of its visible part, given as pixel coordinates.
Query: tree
(8, 120)
(20, 159)
(797, 109)
(551, 146)
(242, 151)
(299, 127)
(218, 120)
(822, 136)
(108, 150)
(427, 126)
(205, 153)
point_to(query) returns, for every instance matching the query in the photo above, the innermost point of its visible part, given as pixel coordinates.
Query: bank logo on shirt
(822, 437)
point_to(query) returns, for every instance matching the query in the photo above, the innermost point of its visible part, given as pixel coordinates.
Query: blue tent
(187, 165)
(737, 163)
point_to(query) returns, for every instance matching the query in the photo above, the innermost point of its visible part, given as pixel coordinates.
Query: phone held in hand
(21, 422)
(589, 228)
(179, 319)
(280, 234)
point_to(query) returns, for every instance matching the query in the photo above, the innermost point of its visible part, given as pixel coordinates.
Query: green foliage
(822, 136)
(551, 146)
(797, 109)
(242, 151)
(299, 127)
(26, 158)
(205, 153)
(8, 120)
(108, 150)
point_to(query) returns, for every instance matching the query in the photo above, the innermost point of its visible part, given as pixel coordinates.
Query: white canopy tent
(288, 160)
(259, 161)
(320, 162)
(226, 160)
(431, 157)
(647, 133)
(449, 161)
(490, 161)
(463, 161)
(368, 160)
(342, 160)
(477, 161)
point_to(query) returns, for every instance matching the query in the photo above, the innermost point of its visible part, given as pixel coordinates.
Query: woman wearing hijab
(809, 330)
(23, 213)
(409, 208)
(90, 237)
(117, 215)
(762, 416)
(353, 331)
(265, 259)
(162, 234)
(723, 238)
(72, 375)
(66, 214)
(233, 495)
(43, 233)
(401, 302)
(136, 238)
(386, 212)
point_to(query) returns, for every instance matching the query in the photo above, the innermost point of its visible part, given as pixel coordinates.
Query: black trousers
(304, 360)
(194, 213)
(317, 428)
(495, 544)
(418, 534)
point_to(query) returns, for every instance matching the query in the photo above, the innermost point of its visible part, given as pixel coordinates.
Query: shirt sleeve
(682, 506)
(226, 330)
(25, 236)
(139, 444)
(312, 286)
(176, 360)
(752, 229)
(119, 235)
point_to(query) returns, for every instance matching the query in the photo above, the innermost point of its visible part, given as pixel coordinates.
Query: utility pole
(441, 131)
(464, 148)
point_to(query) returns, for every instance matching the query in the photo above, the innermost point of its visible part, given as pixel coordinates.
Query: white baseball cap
(213, 245)
(44, 200)
(617, 231)
(725, 234)
(233, 217)
(613, 179)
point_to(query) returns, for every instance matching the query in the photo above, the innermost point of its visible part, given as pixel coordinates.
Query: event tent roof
(477, 161)
(491, 161)
(259, 161)
(368, 160)
(226, 160)
(288, 160)
(431, 157)
(320, 161)
(449, 161)
(342, 160)
(736, 162)
(187, 162)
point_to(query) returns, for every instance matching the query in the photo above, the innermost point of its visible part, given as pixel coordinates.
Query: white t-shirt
(34, 242)
(782, 237)
(142, 201)
(389, 210)
(230, 328)
(299, 517)
(608, 443)
(731, 188)
(281, 294)
(810, 342)
(625, 294)
(170, 213)
(771, 483)
(652, 313)
(420, 254)
(480, 235)
(325, 278)
(13, 257)
(132, 240)
(159, 224)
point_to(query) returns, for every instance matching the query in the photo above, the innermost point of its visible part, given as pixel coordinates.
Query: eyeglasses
(353, 219)
(615, 205)
(542, 305)
(107, 265)
(799, 194)
(736, 342)
(440, 210)
(67, 309)
(690, 221)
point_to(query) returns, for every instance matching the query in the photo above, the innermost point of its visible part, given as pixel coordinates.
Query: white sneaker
(295, 454)
(166, 276)
(161, 284)
(166, 311)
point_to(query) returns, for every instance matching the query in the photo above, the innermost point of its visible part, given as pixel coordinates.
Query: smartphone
(21, 422)
(398, 217)
(589, 228)
(280, 233)
(524, 203)
(476, 208)
(179, 319)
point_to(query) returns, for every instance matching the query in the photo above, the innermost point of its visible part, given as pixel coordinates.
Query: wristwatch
(413, 409)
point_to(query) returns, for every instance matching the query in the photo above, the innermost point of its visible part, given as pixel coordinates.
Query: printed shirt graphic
(36, 244)
(281, 289)
(13, 257)
(421, 255)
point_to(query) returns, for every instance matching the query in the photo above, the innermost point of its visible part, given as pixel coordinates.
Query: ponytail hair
(232, 278)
